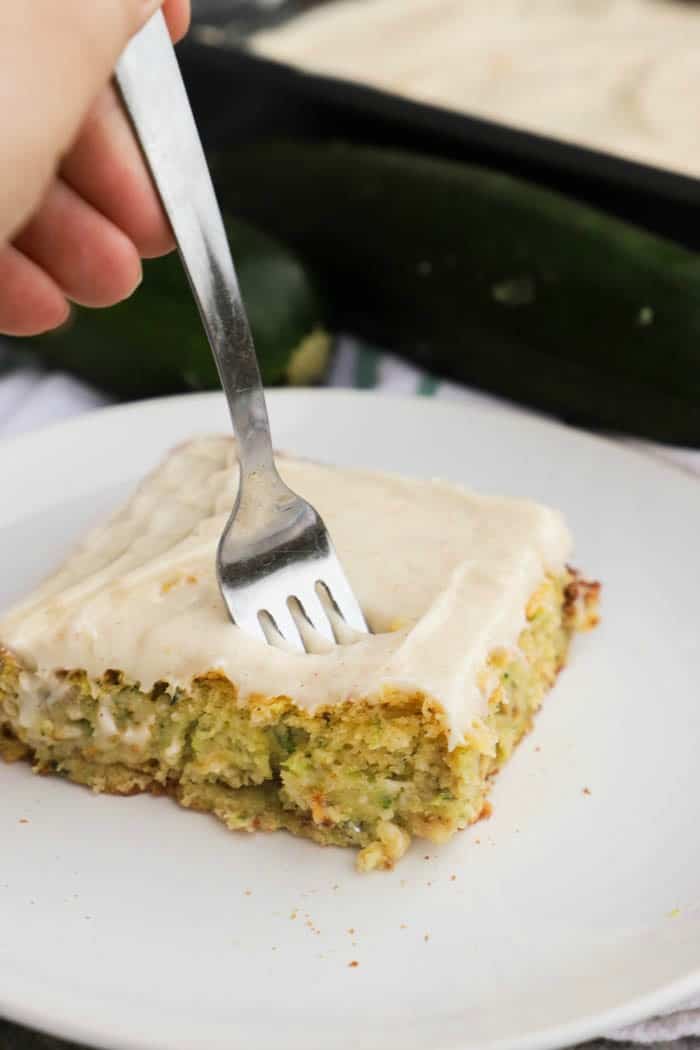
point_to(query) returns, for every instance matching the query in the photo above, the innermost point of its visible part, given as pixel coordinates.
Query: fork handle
(154, 93)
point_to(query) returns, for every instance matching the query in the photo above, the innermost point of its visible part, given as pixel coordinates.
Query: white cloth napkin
(30, 398)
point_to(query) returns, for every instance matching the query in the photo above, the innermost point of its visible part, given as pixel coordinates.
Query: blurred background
(239, 18)
(457, 198)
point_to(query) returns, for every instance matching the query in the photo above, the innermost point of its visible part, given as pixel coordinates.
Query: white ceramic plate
(130, 923)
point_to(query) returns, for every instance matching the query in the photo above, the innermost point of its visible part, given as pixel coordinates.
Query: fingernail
(137, 282)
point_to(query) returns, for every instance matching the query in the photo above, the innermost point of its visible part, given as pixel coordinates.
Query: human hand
(78, 209)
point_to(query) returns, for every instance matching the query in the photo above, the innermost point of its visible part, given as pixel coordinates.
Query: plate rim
(558, 1037)
(615, 443)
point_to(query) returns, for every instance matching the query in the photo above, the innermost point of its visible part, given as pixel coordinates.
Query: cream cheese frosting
(616, 75)
(443, 576)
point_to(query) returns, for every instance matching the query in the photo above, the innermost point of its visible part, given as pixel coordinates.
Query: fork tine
(283, 620)
(341, 595)
(281, 564)
(248, 622)
(314, 612)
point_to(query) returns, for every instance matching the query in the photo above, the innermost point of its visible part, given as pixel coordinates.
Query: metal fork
(276, 566)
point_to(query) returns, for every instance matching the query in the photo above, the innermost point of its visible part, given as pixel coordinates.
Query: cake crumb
(353, 963)
(247, 893)
(23, 820)
(452, 878)
(351, 930)
(586, 791)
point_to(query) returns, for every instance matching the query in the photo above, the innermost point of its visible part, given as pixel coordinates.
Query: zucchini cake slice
(123, 672)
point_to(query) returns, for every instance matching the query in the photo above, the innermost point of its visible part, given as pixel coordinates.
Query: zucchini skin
(154, 344)
(488, 279)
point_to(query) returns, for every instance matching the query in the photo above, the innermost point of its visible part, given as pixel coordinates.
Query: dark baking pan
(241, 97)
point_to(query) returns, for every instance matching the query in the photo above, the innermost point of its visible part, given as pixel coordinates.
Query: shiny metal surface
(275, 558)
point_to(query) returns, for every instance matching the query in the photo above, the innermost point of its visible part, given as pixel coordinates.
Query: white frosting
(453, 569)
(617, 75)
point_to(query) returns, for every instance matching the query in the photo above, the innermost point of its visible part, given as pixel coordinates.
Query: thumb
(54, 59)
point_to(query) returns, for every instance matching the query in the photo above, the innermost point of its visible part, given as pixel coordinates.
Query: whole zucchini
(154, 343)
(488, 279)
